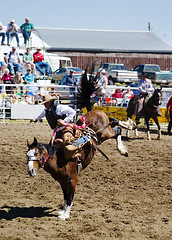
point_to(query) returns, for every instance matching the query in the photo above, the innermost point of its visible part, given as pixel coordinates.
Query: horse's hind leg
(120, 146)
(159, 129)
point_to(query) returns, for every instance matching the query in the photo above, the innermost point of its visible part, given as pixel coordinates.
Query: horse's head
(157, 96)
(35, 154)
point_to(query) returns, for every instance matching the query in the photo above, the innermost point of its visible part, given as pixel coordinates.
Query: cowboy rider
(145, 90)
(54, 111)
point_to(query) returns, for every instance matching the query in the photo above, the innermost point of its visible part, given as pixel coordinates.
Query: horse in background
(150, 110)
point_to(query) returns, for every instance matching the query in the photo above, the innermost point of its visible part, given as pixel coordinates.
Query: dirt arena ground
(123, 198)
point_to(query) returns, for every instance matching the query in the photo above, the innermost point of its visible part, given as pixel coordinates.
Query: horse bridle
(41, 159)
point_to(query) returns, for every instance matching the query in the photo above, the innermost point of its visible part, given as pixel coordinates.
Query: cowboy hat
(144, 75)
(49, 98)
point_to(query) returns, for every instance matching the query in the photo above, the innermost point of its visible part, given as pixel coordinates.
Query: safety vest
(52, 117)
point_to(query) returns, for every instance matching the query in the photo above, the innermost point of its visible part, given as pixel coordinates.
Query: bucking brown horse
(64, 168)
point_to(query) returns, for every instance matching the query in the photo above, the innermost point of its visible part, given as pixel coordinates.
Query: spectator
(2, 62)
(169, 108)
(12, 32)
(6, 79)
(2, 34)
(38, 94)
(38, 60)
(116, 95)
(27, 28)
(28, 77)
(13, 60)
(101, 84)
(29, 99)
(128, 94)
(71, 80)
(17, 79)
(28, 60)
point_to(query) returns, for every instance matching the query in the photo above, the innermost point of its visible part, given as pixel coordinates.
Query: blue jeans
(2, 34)
(12, 65)
(9, 35)
(26, 36)
(40, 65)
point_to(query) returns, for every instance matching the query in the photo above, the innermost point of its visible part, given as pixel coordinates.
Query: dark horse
(65, 170)
(150, 110)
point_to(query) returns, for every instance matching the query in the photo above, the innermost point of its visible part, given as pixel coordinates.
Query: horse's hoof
(63, 216)
(126, 154)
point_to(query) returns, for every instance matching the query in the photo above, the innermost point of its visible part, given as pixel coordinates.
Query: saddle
(75, 139)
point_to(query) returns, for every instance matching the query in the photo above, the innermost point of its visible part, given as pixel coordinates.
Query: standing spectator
(2, 62)
(101, 84)
(38, 60)
(13, 60)
(169, 108)
(12, 32)
(27, 28)
(2, 34)
(71, 80)
(28, 77)
(28, 60)
(6, 79)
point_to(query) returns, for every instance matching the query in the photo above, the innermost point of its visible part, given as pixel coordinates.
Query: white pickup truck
(117, 72)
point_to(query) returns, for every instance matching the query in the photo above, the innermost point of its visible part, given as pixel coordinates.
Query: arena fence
(15, 105)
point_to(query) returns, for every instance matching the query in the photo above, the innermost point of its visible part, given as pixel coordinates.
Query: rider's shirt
(58, 111)
(143, 85)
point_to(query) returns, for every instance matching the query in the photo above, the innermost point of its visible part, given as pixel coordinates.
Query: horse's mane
(86, 89)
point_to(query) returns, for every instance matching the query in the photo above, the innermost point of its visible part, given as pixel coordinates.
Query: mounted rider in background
(145, 91)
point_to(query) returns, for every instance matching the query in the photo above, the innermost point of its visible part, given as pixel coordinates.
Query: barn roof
(102, 40)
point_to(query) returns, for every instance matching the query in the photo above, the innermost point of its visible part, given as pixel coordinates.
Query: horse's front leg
(148, 131)
(159, 129)
(68, 202)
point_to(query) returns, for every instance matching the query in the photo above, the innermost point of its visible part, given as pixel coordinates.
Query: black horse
(150, 110)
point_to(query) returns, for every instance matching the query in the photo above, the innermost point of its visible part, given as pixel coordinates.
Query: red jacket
(169, 104)
(38, 57)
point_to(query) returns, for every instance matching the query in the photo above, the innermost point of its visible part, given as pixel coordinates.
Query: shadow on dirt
(9, 213)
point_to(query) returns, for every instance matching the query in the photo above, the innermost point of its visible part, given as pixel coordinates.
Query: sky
(124, 15)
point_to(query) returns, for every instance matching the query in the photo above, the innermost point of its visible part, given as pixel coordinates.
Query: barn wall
(130, 60)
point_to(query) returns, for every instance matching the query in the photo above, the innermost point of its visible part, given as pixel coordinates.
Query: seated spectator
(12, 32)
(128, 94)
(6, 79)
(27, 28)
(17, 79)
(12, 60)
(38, 60)
(2, 34)
(29, 99)
(38, 94)
(117, 94)
(28, 60)
(29, 77)
(2, 62)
